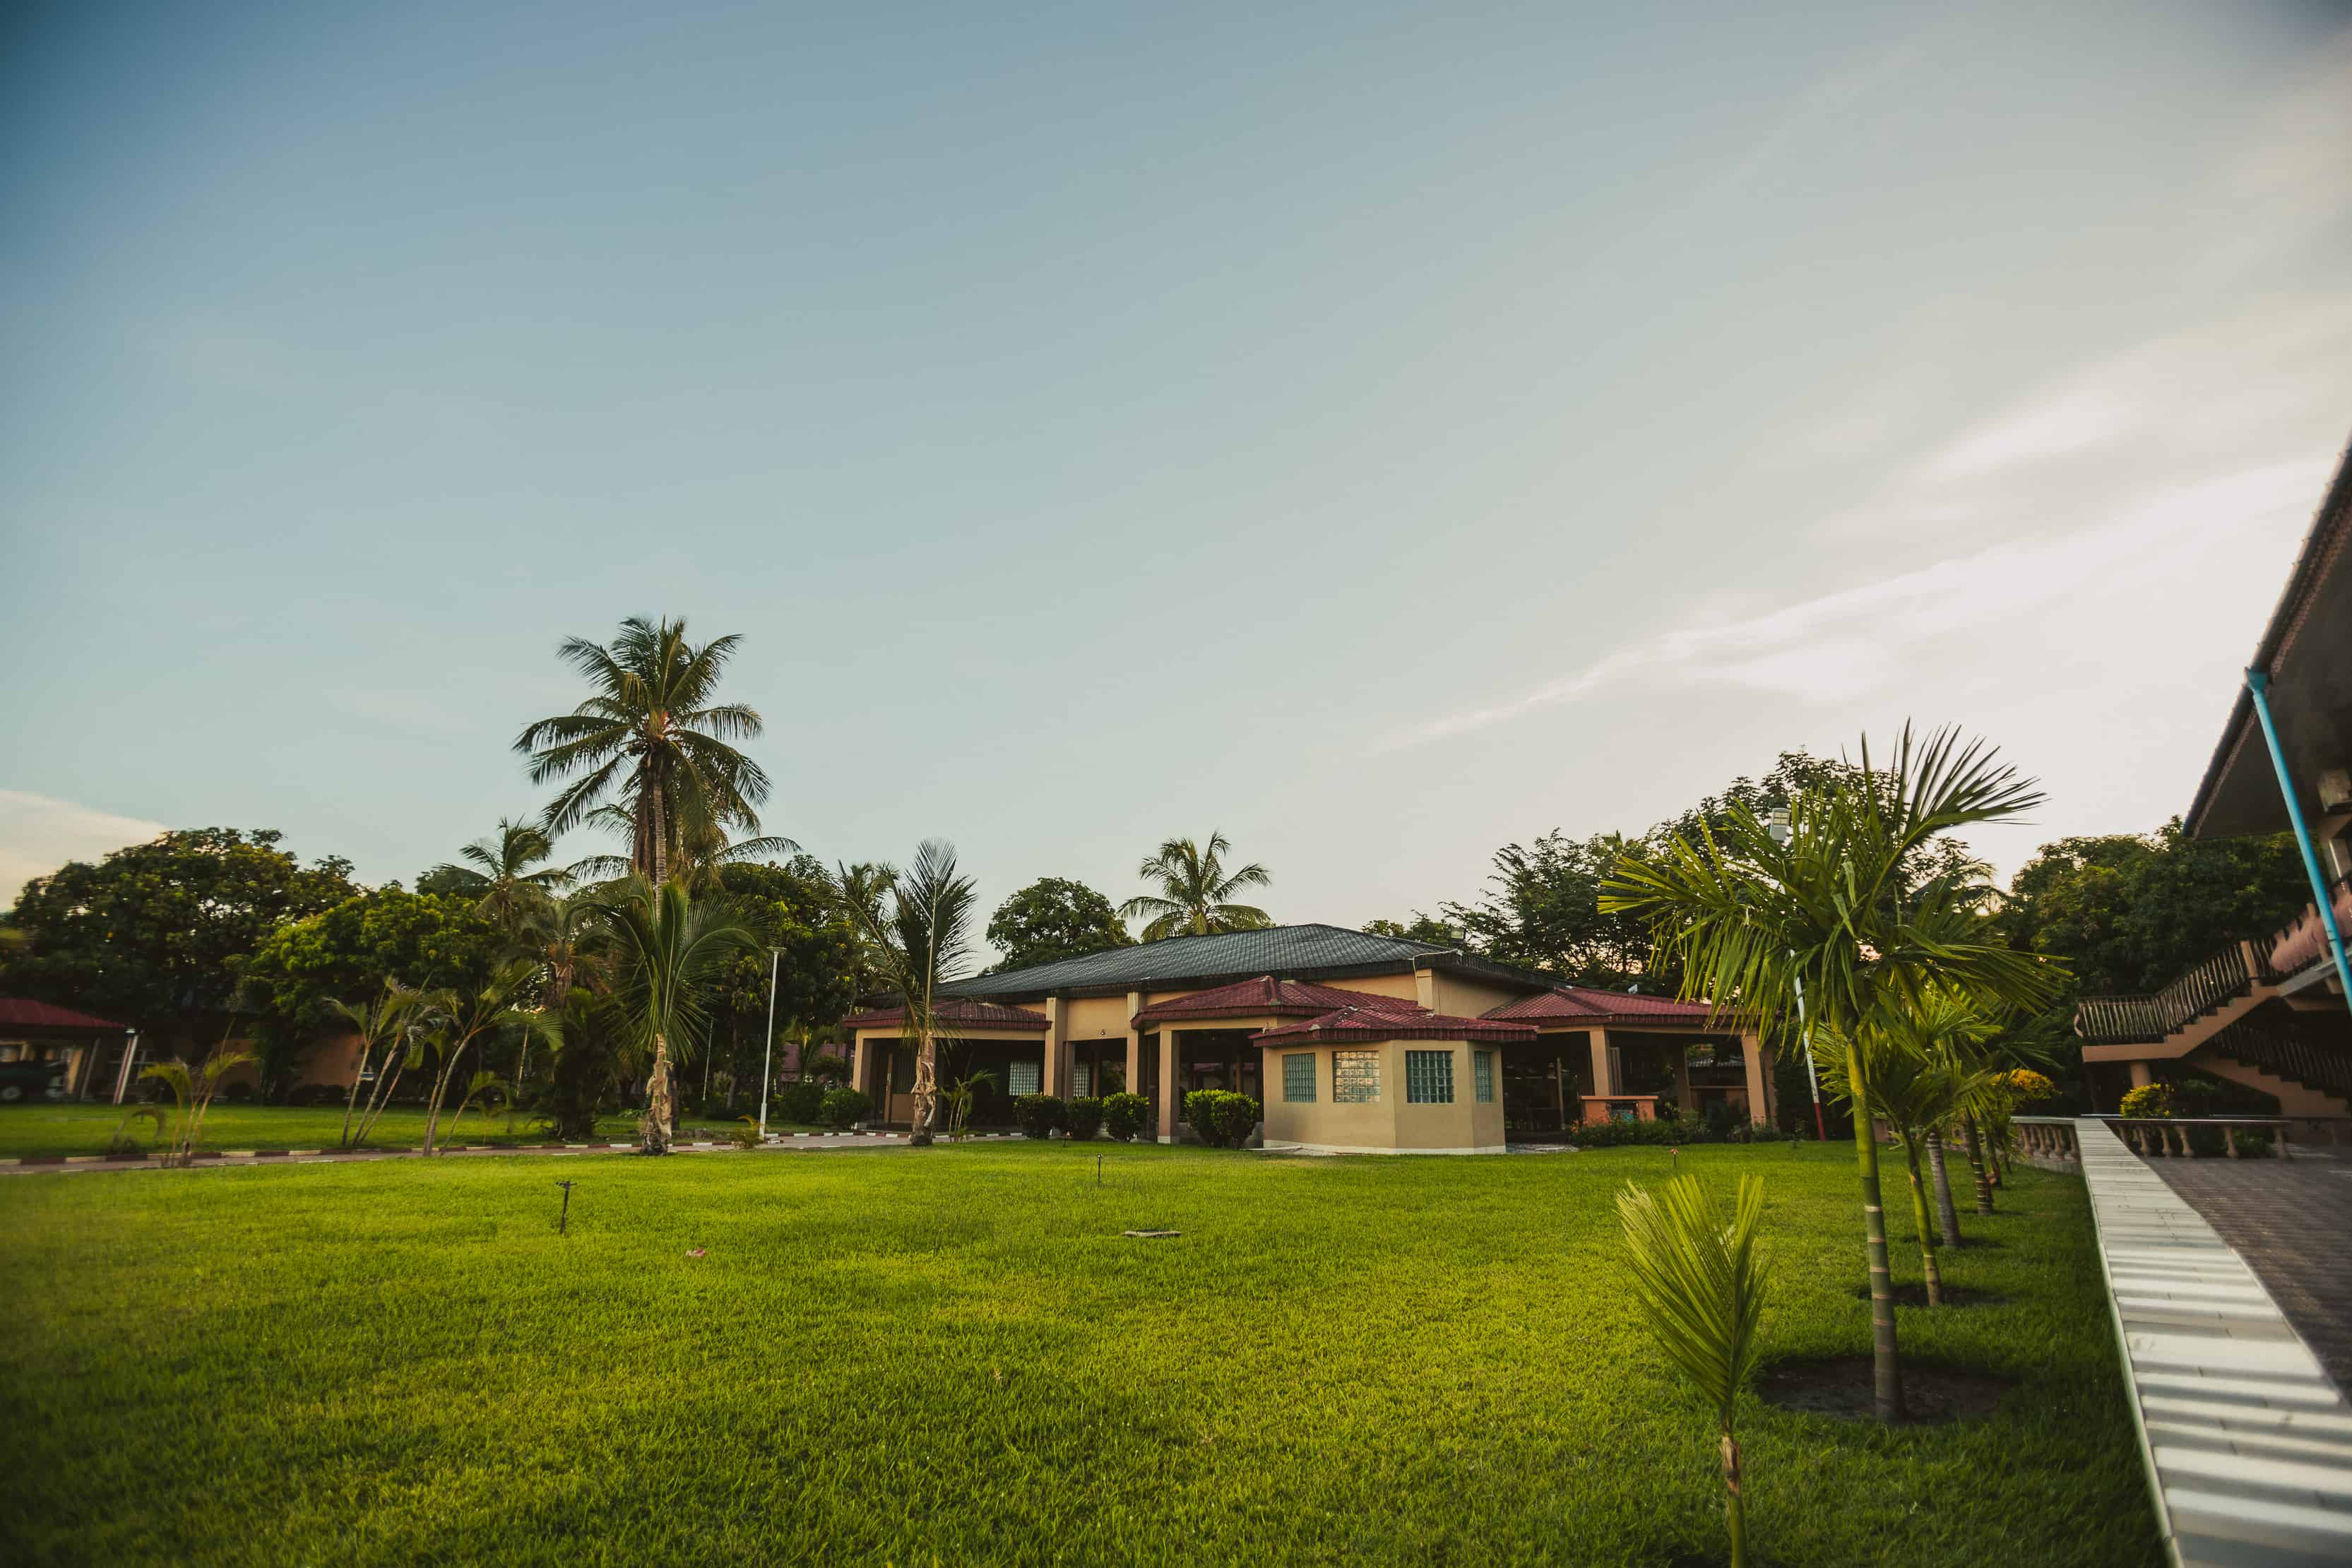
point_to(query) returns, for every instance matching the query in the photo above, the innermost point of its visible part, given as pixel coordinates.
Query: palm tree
(1755, 922)
(652, 737)
(701, 855)
(923, 940)
(381, 1024)
(500, 880)
(1194, 888)
(462, 1018)
(1924, 1073)
(1702, 1285)
(672, 948)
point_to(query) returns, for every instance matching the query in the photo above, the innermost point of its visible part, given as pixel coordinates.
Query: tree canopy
(157, 934)
(1053, 918)
(1196, 891)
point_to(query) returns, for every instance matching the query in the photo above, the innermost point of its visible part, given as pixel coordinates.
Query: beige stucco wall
(1461, 997)
(1094, 1017)
(1378, 984)
(1387, 1125)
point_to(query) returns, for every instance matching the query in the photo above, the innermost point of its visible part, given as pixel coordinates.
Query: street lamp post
(1779, 830)
(768, 1049)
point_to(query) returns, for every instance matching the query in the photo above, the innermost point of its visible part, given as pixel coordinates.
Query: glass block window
(1429, 1077)
(1023, 1078)
(1355, 1078)
(1298, 1078)
(1482, 1068)
(1082, 1079)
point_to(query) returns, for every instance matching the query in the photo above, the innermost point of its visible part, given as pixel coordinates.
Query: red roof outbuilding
(1578, 1005)
(952, 1011)
(1266, 996)
(17, 1013)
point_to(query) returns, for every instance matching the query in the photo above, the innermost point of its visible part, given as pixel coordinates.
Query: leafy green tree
(1053, 918)
(1421, 927)
(816, 968)
(1827, 908)
(1195, 892)
(156, 934)
(1542, 911)
(652, 737)
(347, 954)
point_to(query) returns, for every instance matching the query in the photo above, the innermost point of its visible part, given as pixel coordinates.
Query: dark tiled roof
(961, 1011)
(1265, 996)
(15, 1012)
(1583, 1004)
(1391, 1023)
(1301, 950)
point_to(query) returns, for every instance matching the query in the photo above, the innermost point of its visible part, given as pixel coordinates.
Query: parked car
(31, 1080)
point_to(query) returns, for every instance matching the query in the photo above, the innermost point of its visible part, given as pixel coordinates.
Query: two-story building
(1352, 1042)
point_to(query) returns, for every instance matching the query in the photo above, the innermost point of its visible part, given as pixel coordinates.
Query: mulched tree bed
(1840, 1387)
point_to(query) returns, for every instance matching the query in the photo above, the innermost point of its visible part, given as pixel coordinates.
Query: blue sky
(1379, 432)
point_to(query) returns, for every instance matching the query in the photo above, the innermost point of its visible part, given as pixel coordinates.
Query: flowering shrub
(2027, 1084)
(2149, 1100)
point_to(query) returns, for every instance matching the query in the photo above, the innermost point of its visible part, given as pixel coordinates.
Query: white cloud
(38, 834)
(2071, 421)
(1864, 639)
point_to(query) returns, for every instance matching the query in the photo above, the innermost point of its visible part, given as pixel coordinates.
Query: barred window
(1482, 1068)
(1355, 1078)
(1298, 1078)
(1429, 1077)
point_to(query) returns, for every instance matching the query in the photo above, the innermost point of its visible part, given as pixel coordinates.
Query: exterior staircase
(2217, 1013)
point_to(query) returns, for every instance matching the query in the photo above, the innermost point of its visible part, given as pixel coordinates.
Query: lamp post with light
(768, 1048)
(1778, 826)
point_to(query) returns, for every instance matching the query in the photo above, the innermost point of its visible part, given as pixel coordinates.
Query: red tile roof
(1263, 997)
(15, 1012)
(956, 1010)
(1360, 1022)
(1584, 1005)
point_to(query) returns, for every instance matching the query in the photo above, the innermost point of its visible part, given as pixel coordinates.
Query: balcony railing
(2303, 940)
(2140, 1020)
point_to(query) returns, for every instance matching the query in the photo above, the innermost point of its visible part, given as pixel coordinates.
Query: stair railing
(2228, 974)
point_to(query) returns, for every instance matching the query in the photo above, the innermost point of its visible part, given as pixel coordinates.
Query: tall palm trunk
(654, 1127)
(1886, 1372)
(927, 1086)
(1977, 1165)
(1919, 1222)
(1948, 1218)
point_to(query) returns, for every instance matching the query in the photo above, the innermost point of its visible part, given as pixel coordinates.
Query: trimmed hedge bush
(1628, 1134)
(846, 1107)
(1086, 1116)
(800, 1101)
(1126, 1115)
(1222, 1118)
(1039, 1115)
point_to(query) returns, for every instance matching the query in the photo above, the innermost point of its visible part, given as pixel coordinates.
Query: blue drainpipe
(2258, 683)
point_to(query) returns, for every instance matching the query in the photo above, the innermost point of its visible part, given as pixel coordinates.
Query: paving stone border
(2248, 1443)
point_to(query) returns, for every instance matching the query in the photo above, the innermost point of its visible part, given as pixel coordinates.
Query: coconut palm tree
(1702, 1286)
(1194, 891)
(1753, 920)
(702, 855)
(922, 941)
(651, 739)
(501, 880)
(671, 949)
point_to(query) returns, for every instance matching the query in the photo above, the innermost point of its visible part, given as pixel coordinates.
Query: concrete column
(1759, 1080)
(1602, 1082)
(1056, 1077)
(2142, 1075)
(1134, 1044)
(1170, 1113)
(857, 1054)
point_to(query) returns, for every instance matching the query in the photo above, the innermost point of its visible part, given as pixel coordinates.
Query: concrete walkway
(2291, 1220)
(2248, 1442)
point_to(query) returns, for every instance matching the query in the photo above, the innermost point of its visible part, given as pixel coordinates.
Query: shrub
(1126, 1115)
(238, 1094)
(2253, 1145)
(1626, 1134)
(1222, 1118)
(1039, 1115)
(2027, 1084)
(827, 1068)
(847, 1106)
(1086, 1117)
(747, 1134)
(2149, 1100)
(801, 1101)
(319, 1095)
(2207, 1141)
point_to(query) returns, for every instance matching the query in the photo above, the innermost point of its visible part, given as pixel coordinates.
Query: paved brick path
(2292, 1222)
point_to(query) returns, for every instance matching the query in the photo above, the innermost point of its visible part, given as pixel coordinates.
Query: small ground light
(564, 1218)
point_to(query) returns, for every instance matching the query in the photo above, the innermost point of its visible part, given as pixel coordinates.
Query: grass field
(76, 1129)
(953, 1356)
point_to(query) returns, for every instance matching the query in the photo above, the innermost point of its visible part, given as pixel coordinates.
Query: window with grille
(1298, 1078)
(1023, 1078)
(1355, 1078)
(1429, 1077)
(1482, 1068)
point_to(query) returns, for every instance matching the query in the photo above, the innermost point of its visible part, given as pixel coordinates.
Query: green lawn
(953, 1356)
(76, 1129)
